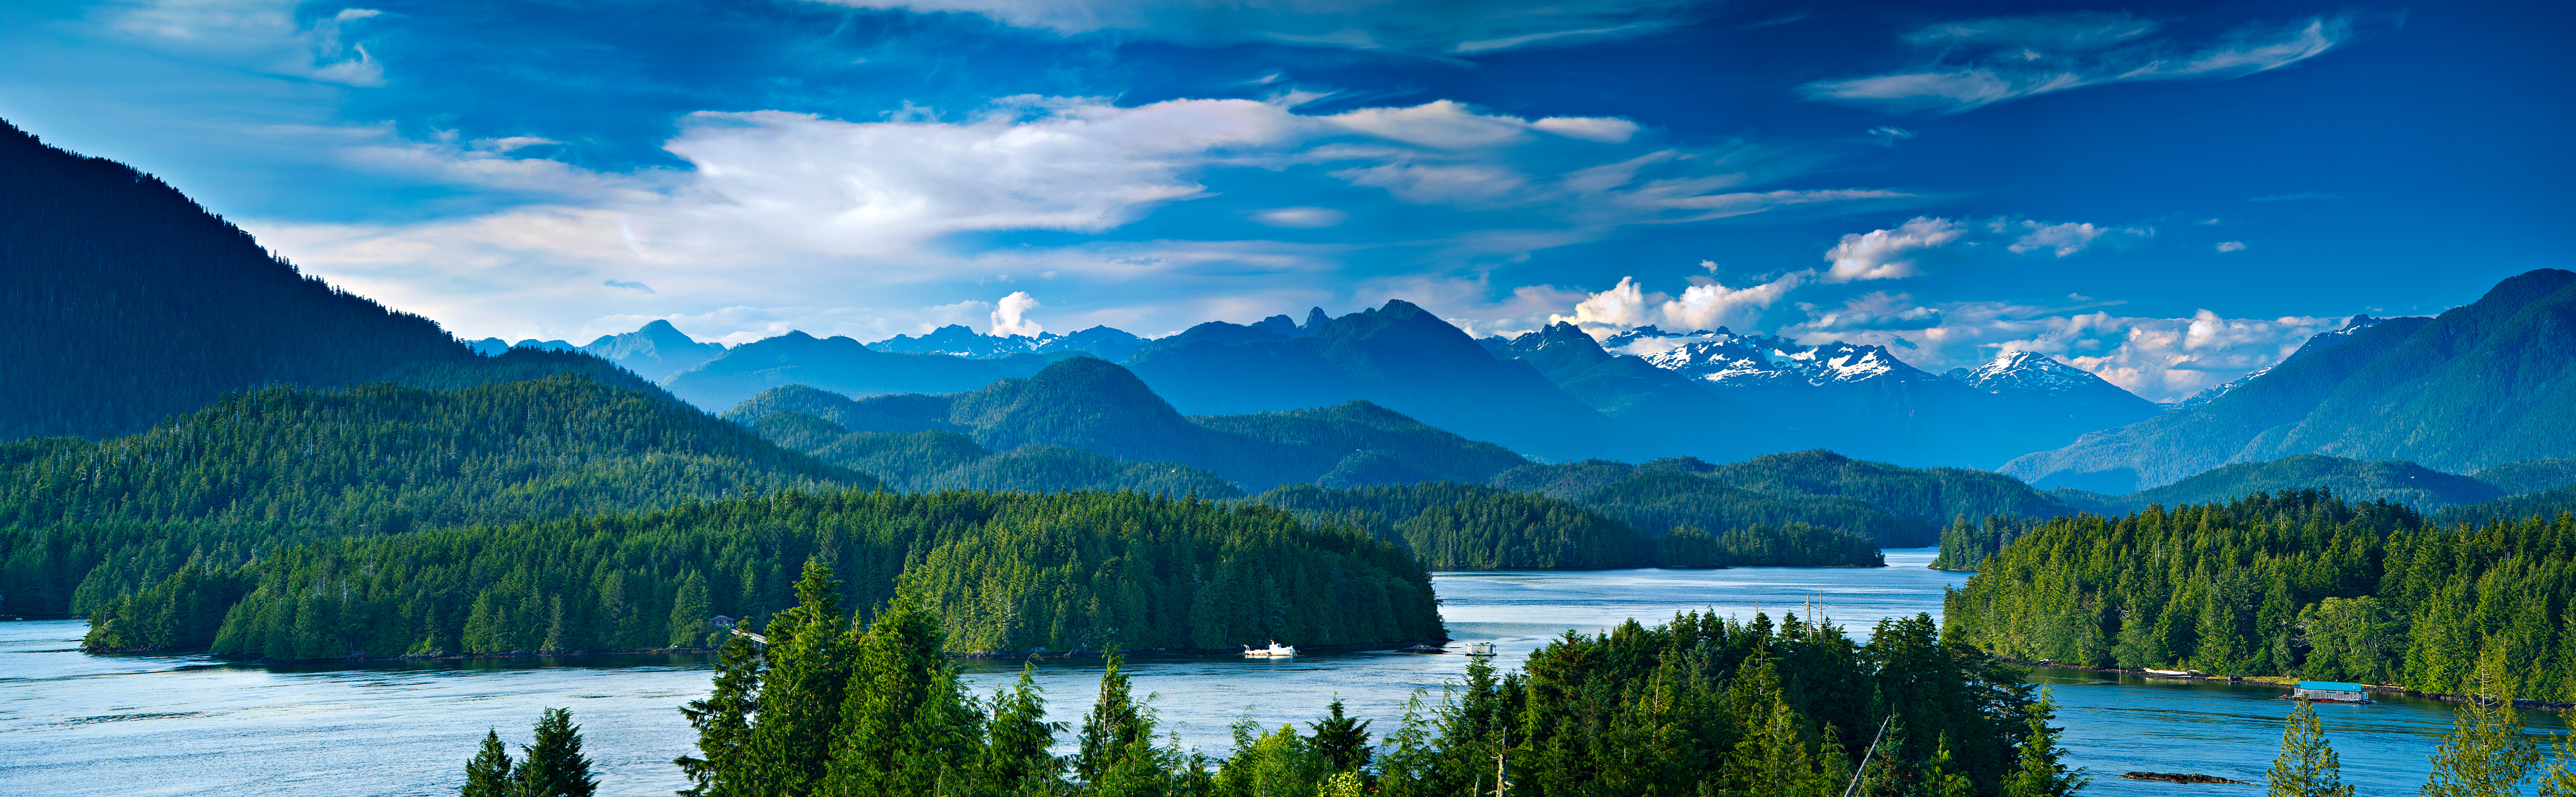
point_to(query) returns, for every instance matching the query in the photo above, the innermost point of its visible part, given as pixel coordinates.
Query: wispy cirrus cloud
(1975, 63)
(1418, 26)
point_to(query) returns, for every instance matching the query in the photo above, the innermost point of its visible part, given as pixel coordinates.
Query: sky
(2168, 195)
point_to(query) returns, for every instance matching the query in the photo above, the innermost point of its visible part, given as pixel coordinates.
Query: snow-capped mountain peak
(2026, 371)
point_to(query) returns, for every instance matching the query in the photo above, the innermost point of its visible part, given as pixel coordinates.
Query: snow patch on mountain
(2321, 342)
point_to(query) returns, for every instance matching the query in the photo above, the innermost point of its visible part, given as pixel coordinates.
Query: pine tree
(555, 766)
(723, 721)
(2038, 774)
(2307, 767)
(488, 773)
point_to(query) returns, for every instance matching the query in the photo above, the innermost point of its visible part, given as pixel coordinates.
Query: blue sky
(2168, 195)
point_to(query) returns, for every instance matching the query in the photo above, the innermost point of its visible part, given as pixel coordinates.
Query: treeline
(1469, 527)
(1703, 705)
(383, 458)
(1008, 572)
(2300, 583)
(1895, 506)
(1963, 545)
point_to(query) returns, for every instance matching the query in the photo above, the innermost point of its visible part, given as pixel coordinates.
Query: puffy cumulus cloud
(1408, 25)
(1975, 63)
(1010, 315)
(260, 33)
(826, 210)
(1889, 254)
(1706, 304)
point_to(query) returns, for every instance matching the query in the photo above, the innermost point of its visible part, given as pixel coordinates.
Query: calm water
(152, 725)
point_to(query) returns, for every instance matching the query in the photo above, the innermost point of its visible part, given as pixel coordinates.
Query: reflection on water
(152, 725)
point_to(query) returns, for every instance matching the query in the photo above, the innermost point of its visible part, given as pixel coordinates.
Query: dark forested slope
(1897, 506)
(2395, 481)
(122, 303)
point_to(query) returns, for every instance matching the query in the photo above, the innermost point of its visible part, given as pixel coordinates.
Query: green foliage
(2486, 753)
(2299, 583)
(489, 773)
(2307, 766)
(383, 458)
(1000, 571)
(554, 766)
(723, 721)
(1467, 527)
(1895, 506)
(1964, 545)
(1703, 704)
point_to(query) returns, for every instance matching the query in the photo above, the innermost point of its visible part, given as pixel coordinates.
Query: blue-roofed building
(2333, 690)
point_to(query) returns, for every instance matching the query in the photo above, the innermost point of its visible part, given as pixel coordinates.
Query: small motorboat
(2168, 673)
(1275, 651)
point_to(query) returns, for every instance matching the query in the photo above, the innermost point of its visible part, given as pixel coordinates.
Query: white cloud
(829, 210)
(1409, 25)
(2231, 246)
(2064, 239)
(1301, 218)
(259, 32)
(1706, 304)
(1986, 61)
(1588, 128)
(1010, 316)
(2162, 359)
(1889, 254)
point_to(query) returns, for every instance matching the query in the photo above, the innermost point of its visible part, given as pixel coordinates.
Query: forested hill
(1004, 572)
(1473, 527)
(1095, 406)
(123, 303)
(2295, 584)
(382, 457)
(2477, 386)
(1896, 506)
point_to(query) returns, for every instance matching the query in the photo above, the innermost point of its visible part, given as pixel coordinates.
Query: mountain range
(2479, 385)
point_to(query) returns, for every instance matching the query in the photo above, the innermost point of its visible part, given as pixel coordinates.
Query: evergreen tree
(488, 773)
(555, 766)
(2038, 773)
(904, 725)
(1114, 728)
(689, 612)
(2307, 767)
(723, 721)
(791, 740)
(1016, 757)
(2486, 753)
(1342, 741)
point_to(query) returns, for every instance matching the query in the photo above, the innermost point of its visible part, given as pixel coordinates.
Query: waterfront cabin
(720, 621)
(2333, 691)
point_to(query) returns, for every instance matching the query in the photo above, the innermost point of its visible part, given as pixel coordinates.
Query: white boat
(2170, 673)
(1480, 648)
(1275, 651)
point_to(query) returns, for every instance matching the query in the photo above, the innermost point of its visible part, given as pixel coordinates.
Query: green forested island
(1006, 572)
(2297, 583)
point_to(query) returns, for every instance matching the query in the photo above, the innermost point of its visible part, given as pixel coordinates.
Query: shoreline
(2291, 683)
(541, 654)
